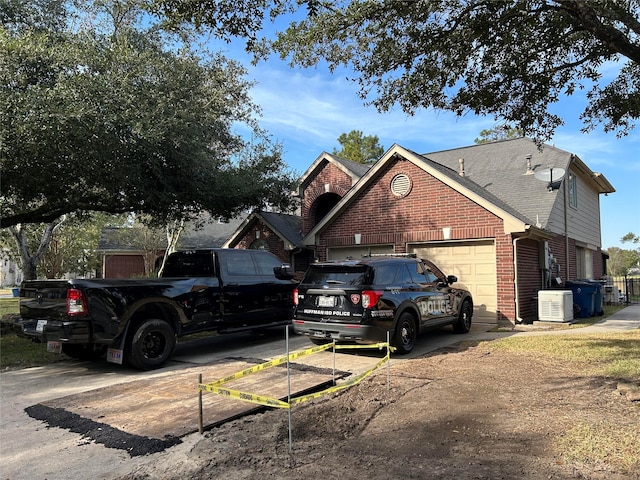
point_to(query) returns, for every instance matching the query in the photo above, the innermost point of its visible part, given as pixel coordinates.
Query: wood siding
(583, 221)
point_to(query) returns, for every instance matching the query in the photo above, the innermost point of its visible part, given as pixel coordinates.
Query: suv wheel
(463, 323)
(405, 335)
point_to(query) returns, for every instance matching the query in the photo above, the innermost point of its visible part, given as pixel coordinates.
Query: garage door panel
(485, 269)
(485, 290)
(475, 266)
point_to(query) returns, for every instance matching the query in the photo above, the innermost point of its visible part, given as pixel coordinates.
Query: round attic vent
(400, 185)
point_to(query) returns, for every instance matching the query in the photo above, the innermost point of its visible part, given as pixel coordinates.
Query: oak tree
(511, 59)
(108, 113)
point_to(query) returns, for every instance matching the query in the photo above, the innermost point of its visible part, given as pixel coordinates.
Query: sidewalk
(624, 320)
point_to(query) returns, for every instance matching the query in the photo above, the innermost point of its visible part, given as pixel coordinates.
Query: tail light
(76, 302)
(370, 298)
(295, 296)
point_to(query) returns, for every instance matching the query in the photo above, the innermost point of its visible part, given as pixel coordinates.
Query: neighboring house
(279, 233)
(492, 214)
(124, 261)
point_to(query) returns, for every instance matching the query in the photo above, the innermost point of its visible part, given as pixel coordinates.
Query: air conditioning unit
(555, 305)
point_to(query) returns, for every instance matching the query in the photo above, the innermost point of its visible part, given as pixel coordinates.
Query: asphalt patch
(134, 445)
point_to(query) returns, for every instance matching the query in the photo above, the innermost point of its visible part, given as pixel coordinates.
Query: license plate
(114, 356)
(40, 326)
(326, 302)
(54, 347)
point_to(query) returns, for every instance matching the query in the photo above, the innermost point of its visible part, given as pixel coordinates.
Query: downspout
(515, 275)
(566, 226)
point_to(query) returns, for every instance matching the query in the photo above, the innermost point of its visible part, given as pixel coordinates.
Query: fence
(629, 288)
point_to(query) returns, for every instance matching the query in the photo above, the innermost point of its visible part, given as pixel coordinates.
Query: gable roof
(211, 235)
(501, 169)
(287, 227)
(514, 221)
(353, 169)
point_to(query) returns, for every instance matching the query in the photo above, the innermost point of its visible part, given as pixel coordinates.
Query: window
(260, 244)
(189, 264)
(266, 264)
(240, 264)
(584, 263)
(573, 191)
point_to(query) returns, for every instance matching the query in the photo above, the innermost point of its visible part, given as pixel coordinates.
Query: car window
(336, 275)
(266, 264)
(240, 264)
(418, 273)
(431, 277)
(384, 274)
(189, 264)
(404, 275)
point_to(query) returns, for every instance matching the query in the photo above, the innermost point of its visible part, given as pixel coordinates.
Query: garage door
(357, 252)
(474, 263)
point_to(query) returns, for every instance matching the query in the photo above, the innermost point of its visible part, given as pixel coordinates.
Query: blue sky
(306, 110)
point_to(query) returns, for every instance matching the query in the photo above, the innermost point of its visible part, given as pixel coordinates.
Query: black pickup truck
(138, 320)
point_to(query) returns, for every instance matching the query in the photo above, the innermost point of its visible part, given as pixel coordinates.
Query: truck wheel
(404, 338)
(152, 343)
(84, 351)
(463, 323)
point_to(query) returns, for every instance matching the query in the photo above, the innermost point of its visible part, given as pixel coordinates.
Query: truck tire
(404, 338)
(84, 351)
(151, 345)
(463, 323)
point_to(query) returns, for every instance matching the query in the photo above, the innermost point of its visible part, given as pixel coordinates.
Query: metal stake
(289, 391)
(200, 420)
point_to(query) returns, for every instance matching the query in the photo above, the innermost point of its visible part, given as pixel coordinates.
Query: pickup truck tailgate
(44, 299)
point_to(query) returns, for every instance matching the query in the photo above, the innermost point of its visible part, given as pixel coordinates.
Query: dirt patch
(464, 413)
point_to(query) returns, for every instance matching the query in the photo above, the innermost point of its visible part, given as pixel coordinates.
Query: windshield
(337, 275)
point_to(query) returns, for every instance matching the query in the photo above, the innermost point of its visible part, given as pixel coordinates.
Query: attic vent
(401, 185)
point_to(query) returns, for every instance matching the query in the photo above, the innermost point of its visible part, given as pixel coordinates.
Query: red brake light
(295, 296)
(370, 298)
(76, 302)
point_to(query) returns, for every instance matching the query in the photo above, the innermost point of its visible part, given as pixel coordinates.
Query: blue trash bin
(584, 294)
(598, 300)
(15, 292)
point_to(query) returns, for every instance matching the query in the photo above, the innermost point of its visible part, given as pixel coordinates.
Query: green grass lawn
(16, 352)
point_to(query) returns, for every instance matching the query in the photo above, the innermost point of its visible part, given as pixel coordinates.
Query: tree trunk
(30, 261)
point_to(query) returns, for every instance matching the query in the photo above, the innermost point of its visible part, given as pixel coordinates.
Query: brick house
(492, 214)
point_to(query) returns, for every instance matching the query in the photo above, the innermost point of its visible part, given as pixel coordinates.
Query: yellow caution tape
(247, 397)
(214, 387)
(271, 363)
(349, 383)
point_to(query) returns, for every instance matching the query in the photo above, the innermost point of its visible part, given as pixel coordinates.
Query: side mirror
(451, 279)
(284, 272)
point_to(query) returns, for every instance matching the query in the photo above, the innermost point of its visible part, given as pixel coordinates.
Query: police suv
(378, 296)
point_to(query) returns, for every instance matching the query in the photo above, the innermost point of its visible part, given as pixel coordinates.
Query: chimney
(461, 171)
(529, 169)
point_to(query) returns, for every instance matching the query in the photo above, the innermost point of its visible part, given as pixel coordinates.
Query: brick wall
(329, 180)
(529, 278)
(382, 218)
(431, 205)
(274, 243)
